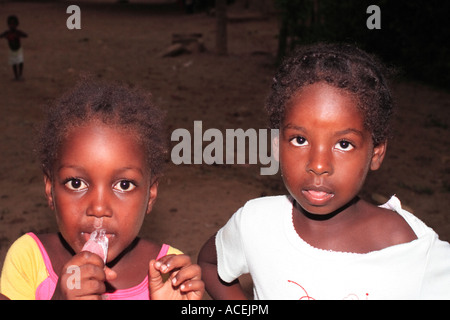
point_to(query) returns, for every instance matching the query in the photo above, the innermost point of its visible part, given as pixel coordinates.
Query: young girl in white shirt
(332, 106)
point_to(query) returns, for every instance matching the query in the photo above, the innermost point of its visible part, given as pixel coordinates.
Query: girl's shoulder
(155, 250)
(57, 250)
(389, 227)
(147, 249)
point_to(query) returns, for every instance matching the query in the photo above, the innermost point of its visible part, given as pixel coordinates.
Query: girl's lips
(317, 196)
(86, 236)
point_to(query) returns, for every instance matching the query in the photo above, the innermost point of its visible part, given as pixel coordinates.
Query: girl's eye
(124, 185)
(75, 184)
(299, 141)
(344, 145)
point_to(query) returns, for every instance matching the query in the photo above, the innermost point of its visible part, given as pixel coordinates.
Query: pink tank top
(47, 287)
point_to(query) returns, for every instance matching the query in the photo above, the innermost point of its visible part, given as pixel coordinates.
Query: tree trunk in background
(221, 32)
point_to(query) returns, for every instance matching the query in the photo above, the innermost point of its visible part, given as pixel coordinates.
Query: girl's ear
(152, 196)
(49, 191)
(378, 155)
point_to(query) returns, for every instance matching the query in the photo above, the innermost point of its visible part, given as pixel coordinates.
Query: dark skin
(217, 289)
(102, 173)
(325, 153)
(98, 278)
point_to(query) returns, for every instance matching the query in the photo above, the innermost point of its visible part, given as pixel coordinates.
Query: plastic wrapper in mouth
(98, 244)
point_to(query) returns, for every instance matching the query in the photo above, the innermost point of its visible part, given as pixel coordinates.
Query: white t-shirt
(260, 239)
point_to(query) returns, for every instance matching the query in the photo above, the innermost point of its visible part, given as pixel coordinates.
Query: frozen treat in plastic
(98, 244)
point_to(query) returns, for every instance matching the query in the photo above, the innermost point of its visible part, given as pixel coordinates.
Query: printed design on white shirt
(306, 296)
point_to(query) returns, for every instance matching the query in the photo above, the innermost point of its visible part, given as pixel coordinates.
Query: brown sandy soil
(123, 42)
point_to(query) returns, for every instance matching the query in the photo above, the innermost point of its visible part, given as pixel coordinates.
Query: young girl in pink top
(102, 151)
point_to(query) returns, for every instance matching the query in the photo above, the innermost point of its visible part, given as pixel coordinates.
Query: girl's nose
(320, 162)
(99, 204)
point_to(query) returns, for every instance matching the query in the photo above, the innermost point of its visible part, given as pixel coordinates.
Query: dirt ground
(124, 42)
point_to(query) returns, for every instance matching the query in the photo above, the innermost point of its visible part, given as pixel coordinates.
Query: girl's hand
(184, 279)
(83, 278)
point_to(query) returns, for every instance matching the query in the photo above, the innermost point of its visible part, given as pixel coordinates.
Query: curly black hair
(343, 66)
(113, 104)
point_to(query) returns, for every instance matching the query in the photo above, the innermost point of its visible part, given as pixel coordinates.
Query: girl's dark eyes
(299, 141)
(344, 145)
(75, 184)
(124, 186)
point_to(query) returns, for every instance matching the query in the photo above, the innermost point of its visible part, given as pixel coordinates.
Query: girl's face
(325, 151)
(100, 177)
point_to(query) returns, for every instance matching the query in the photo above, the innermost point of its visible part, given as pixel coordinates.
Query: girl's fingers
(183, 274)
(196, 286)
(154, 275)
(180, 267)
(110, 274)
(172, 262)
(189, 273)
